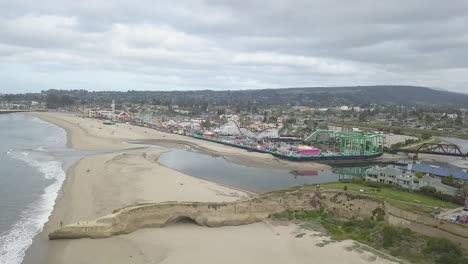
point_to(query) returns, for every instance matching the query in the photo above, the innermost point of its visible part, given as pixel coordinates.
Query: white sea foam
(14, 242)
(40, 148)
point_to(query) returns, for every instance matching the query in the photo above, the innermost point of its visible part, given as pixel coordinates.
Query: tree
(156, 101)
(428, 190)
(459, 121)
(206, 124)
(464, 192)
(221, 112)
(425, 136)
(265, 117)
(54, 101)
(291, 120)
(419, 174)
(448, 180)
(272, 119)
(323, 126)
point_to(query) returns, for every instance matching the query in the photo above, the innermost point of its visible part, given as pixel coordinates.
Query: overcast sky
(220, 44)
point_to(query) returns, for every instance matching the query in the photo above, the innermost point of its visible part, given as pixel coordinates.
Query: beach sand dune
(98, 184)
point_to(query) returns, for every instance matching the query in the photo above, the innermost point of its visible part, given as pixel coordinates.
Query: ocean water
(32, 154)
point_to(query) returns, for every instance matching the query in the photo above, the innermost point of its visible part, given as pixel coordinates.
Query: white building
(405, 178)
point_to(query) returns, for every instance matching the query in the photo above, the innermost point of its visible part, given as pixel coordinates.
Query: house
(458, 174)
(91, 113)
(451, 116)
(343, 108)
(406, 178)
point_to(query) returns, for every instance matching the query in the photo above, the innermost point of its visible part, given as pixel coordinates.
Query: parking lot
(459, 215)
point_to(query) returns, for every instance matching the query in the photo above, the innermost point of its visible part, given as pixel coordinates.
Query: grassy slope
(404, 200)
(396, 241)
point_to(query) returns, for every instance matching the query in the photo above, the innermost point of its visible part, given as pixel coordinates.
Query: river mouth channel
(217, 169)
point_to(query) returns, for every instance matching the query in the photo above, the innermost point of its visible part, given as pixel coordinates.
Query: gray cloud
(221, 44)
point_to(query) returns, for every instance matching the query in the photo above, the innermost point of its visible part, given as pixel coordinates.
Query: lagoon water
(32, 155)
(462, 143)
(217, 169)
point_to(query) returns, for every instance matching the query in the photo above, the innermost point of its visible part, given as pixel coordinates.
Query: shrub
(419, 174)
(378, 214)
(400, 242)
(428, 190)
(444, 251)
(432, 192)
(389, 236)
(425, 136)
(358, 180)
(373, 184)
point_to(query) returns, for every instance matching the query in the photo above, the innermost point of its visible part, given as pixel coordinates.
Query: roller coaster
(232, 128)
(348, 143)
(333, 145)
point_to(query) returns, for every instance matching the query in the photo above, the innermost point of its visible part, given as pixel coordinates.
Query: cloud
(227, 44)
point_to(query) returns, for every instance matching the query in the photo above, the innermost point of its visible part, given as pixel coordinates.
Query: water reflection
(217, 169)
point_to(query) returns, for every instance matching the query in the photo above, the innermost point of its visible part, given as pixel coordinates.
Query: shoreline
(41, 246)
(96, 185)
(147, 136)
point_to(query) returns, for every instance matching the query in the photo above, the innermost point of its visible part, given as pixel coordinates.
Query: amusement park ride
(330, 145)
(348, 143)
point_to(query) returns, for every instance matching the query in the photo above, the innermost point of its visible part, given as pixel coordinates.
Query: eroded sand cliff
(131, 218)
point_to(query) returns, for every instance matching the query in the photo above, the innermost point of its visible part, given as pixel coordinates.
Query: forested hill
(308, 96)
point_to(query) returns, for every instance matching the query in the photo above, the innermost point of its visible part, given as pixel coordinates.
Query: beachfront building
(91, 113)
(405, 177)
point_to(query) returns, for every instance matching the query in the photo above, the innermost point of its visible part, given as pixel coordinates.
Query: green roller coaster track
(349, 143)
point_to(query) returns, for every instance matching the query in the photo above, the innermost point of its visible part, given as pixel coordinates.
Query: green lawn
(411, 207)
(395, 195)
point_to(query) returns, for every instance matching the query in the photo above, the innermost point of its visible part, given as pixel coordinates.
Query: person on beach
(61, 225)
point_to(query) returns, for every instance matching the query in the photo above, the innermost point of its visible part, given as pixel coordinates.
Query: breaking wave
(15, 241)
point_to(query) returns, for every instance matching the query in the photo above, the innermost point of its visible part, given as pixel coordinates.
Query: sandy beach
(128, 174)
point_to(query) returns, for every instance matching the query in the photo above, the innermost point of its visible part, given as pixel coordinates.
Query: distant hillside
(307, 96)
(398, 95)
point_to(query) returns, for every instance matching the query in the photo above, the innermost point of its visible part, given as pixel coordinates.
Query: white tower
(113, 108)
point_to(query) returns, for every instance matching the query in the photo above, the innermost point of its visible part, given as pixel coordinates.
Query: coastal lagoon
(219, 170)
(462, 143)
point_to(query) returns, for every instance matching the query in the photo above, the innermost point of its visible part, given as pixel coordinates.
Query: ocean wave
(15, 242)
(40, 148)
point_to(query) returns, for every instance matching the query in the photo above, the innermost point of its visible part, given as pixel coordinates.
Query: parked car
(455, 218)
(466, 208)
(463, 219)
